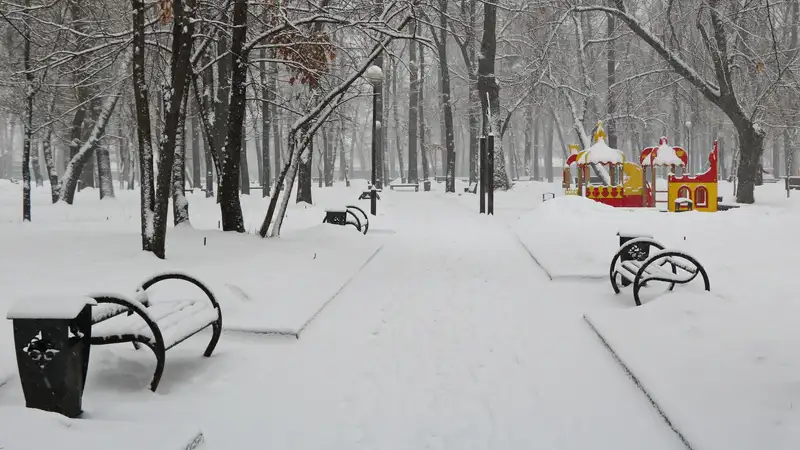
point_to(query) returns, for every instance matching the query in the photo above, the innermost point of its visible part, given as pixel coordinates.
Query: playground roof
(601, 153)
(664, 155)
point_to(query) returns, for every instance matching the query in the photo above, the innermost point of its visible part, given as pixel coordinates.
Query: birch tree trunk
(49, 162)
(180, 206)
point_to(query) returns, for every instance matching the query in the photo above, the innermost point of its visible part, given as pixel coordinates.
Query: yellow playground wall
(674, 187)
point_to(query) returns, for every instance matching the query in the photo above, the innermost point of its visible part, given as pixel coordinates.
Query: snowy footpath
(454, 338)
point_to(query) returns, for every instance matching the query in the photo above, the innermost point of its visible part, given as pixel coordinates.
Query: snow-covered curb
(31, 429)
(726, 371)
(638, 383)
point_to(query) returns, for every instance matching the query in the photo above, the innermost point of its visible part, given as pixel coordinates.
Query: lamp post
(374, 75)
(689, 144)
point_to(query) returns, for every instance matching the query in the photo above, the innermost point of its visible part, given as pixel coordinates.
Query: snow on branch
(76, 163)
(708, 89)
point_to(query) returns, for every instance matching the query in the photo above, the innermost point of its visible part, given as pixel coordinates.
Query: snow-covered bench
(668, 266)
(159, 325)
(405, 186)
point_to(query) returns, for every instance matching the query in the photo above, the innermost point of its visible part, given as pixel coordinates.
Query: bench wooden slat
(186, 324)
(627, 272)
(165, 314)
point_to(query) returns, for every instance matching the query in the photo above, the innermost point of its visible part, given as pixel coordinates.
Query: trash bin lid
(49, 307)
(628, 233)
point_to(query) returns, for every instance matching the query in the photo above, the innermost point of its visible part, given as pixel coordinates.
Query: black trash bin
(335, 216)
(636, 252)
(51, 340)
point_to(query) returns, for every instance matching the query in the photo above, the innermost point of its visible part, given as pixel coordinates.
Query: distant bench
(159, 325)
(404, 186)
(635, 264)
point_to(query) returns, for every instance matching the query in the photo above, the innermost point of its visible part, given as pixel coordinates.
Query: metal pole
(490, 173)
(373, 201)
(482, 173)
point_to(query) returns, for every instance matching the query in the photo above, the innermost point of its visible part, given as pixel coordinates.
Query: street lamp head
(374, 75)
(378, 124)
(688, 124)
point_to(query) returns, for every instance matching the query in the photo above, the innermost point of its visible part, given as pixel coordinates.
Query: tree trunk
(49, 162)
(751, 143)
(26, 148)
(37, 169)
(528, 143)
(304, 175)
(259, 157)
(383, 140)
(537, 144)
(611, 69)
(180, 206)
(230, 205)
(421, 114)
(87, 174)
(195, 147)
(548, 152)
(69, 181)
(330, 153)
(344, 163)
(398, 143)
(776, 157)
(413, 108)
(512, 158)
(788, 151)
(490, 93)
(275, 118)
(444, 73)
(209, 136)
(182, 31)
(265, 125)
(377, 163)
(104, 176)
(244, 170)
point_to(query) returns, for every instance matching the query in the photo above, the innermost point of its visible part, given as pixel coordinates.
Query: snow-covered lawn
(439, 329)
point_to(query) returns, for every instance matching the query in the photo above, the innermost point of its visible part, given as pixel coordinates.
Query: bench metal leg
(216, 329)
(161, 356)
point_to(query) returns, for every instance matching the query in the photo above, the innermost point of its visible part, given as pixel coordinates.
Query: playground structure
(625, 184)
(621, 181)
(700, 190)
(661, 157)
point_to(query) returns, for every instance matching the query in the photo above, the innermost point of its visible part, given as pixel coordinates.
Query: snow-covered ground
(439, 329)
